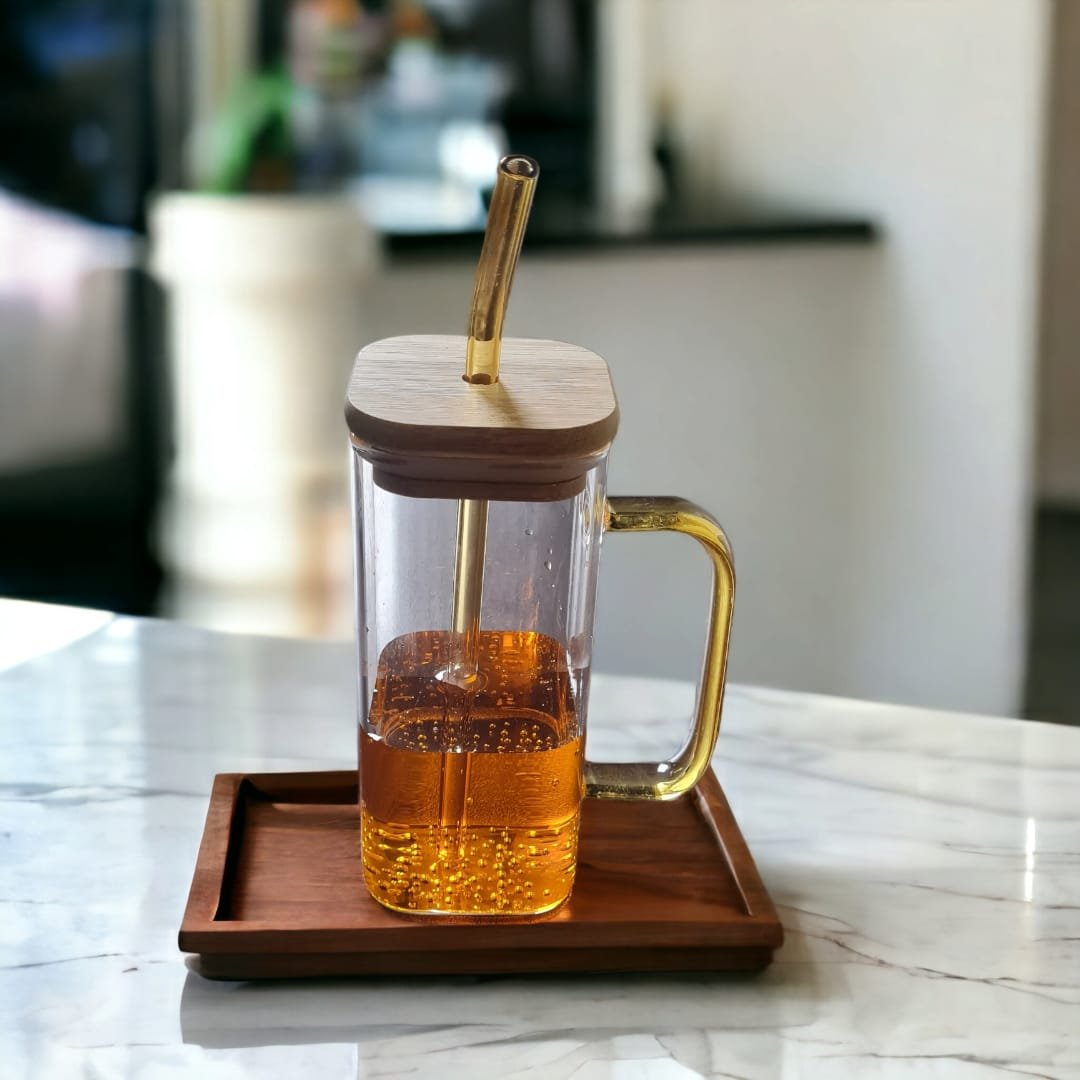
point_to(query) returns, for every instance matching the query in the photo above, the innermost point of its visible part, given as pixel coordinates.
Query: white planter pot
(265, 318)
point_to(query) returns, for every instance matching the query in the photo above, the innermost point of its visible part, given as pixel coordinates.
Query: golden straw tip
(519, 166)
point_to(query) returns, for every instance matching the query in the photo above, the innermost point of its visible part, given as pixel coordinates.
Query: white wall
(927, 115)
(859, 418)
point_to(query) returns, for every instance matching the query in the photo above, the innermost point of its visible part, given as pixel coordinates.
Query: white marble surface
(926, 866)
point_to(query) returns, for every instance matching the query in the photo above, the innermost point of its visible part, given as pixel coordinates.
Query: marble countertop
(926, 867)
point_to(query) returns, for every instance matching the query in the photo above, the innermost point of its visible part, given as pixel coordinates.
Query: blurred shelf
(575, 231)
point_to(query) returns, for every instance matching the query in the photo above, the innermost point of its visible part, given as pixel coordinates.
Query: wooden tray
(278, 892)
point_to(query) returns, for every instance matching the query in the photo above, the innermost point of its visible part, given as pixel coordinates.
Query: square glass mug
(471, 789)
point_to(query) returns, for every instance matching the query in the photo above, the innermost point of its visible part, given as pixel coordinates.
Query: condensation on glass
(540, 572)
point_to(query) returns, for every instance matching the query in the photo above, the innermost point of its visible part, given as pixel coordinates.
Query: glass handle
(668, 779)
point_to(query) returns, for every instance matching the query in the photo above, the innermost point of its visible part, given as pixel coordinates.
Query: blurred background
(828, 250)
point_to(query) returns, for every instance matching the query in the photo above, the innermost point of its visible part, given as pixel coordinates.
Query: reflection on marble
(926, 866)
(28, 630)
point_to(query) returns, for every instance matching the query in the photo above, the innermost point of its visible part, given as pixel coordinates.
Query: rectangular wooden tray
(278, 892)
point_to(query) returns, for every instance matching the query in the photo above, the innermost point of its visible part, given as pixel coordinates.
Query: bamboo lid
(530, 436)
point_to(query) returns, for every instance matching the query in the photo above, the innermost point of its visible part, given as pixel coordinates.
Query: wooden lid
(530, 436)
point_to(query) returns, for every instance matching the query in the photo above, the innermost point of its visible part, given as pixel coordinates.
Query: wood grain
(545, 422)
(278, 892)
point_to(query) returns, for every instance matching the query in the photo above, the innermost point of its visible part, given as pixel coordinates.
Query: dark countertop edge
(735, 234)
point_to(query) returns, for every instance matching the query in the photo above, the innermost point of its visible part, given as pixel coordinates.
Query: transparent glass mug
(471, 795)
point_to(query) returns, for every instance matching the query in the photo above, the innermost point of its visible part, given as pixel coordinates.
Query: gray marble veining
(926, 866)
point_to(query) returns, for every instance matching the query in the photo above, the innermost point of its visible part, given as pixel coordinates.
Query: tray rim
(203, 933)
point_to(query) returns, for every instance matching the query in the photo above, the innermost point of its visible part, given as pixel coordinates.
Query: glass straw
(508, 215)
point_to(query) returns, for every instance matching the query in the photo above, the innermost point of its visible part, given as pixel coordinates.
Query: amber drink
(471, 795)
